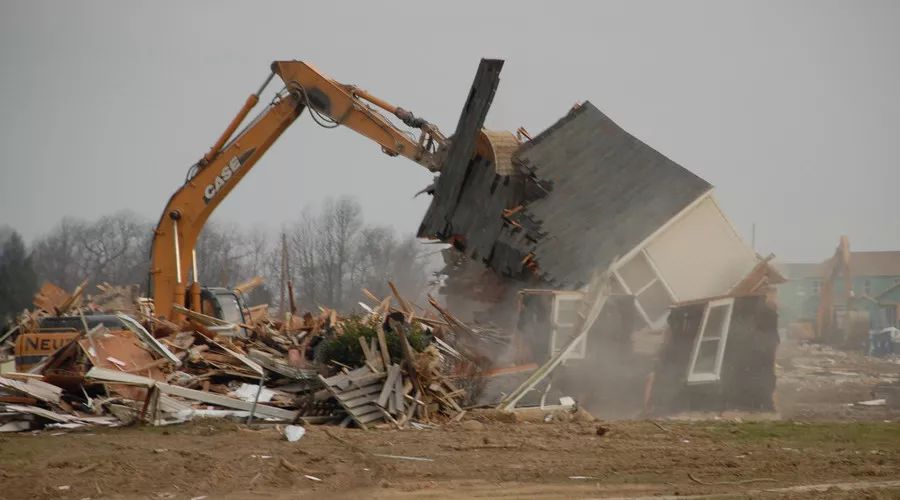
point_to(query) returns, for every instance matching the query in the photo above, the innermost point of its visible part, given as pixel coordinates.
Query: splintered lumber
(389, 385)
(201, 318)
(272, 364)
(148, 339)
(373, 359)
(107, 375)
(357, 392)
(247, 286)
(404, 305)
(398, 393)
(50, 297)
(382, 345)
(37, 389)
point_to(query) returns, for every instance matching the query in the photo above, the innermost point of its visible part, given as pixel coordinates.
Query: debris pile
(396, 366)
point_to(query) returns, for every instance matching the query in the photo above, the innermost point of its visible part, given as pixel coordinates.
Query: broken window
(709, 348)
(565, 324)
(639, 277)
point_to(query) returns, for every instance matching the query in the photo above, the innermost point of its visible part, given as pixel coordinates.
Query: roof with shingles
(608, 192)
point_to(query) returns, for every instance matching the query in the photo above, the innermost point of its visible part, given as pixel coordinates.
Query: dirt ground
(819, 383)
(217, 459)
(823, 446)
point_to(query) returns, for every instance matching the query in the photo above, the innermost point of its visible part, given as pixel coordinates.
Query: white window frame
(655, 323)
(705, 377)
(579, 351)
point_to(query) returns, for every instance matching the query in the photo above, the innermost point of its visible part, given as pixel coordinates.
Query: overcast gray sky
(791, 109)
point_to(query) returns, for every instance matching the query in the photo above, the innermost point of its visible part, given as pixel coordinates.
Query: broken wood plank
(34, 388)
(107, 375)
(359, 401)
(393, 374)
(365, 391)
(382, 345)
(404, 305)
(272, 364)
(398, 393)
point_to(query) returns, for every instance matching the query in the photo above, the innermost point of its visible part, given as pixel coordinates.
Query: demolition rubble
(396, 365)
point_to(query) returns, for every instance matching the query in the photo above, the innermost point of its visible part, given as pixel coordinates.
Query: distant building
(875, 278)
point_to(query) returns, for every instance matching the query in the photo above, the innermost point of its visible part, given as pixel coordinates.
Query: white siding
(700, 255)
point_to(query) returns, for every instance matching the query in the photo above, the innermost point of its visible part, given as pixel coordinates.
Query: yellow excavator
(173, 264)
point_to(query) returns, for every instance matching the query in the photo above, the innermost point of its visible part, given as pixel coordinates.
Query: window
(867, 287)
(639, 277)
(816, 287)
(566, 321)
(709, 348)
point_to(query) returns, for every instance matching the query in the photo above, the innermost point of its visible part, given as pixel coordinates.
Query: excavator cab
(222, 303)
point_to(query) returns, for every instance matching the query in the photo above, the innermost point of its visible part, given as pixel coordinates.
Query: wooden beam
(107, 375)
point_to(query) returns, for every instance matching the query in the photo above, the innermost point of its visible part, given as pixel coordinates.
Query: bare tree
(339, 223)
(114, 248)
(331, 253)
(303, 248)
(17, 279)
(56, 256)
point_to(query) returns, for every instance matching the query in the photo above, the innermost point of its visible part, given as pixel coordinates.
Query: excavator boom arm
(228, 161)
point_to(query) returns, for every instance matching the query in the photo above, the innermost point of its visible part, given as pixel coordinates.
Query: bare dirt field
(825, 446)
(217, 459)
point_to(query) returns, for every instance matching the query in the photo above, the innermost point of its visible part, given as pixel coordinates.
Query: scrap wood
(407, 351)
(210, 322)
(49, 297)
(73, 299)
(43, 391)
(382, 345)
(371, 361)
(148, 339)
(22, 400)
(107, 375)
(49, 415)
(356, 393)
(389, 385)
(157, 320)
(742, 481)
(404, 305)
(401, 457)
(272, 364)
(254, 366)
(249, 285)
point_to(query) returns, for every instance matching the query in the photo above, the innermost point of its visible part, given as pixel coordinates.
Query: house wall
(697, 255)
(700, 255)
(747, 379)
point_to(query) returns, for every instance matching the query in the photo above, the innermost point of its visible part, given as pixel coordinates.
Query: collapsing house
(585, 197)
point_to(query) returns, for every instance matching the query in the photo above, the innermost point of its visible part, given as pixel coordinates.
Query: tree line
(329, 253)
